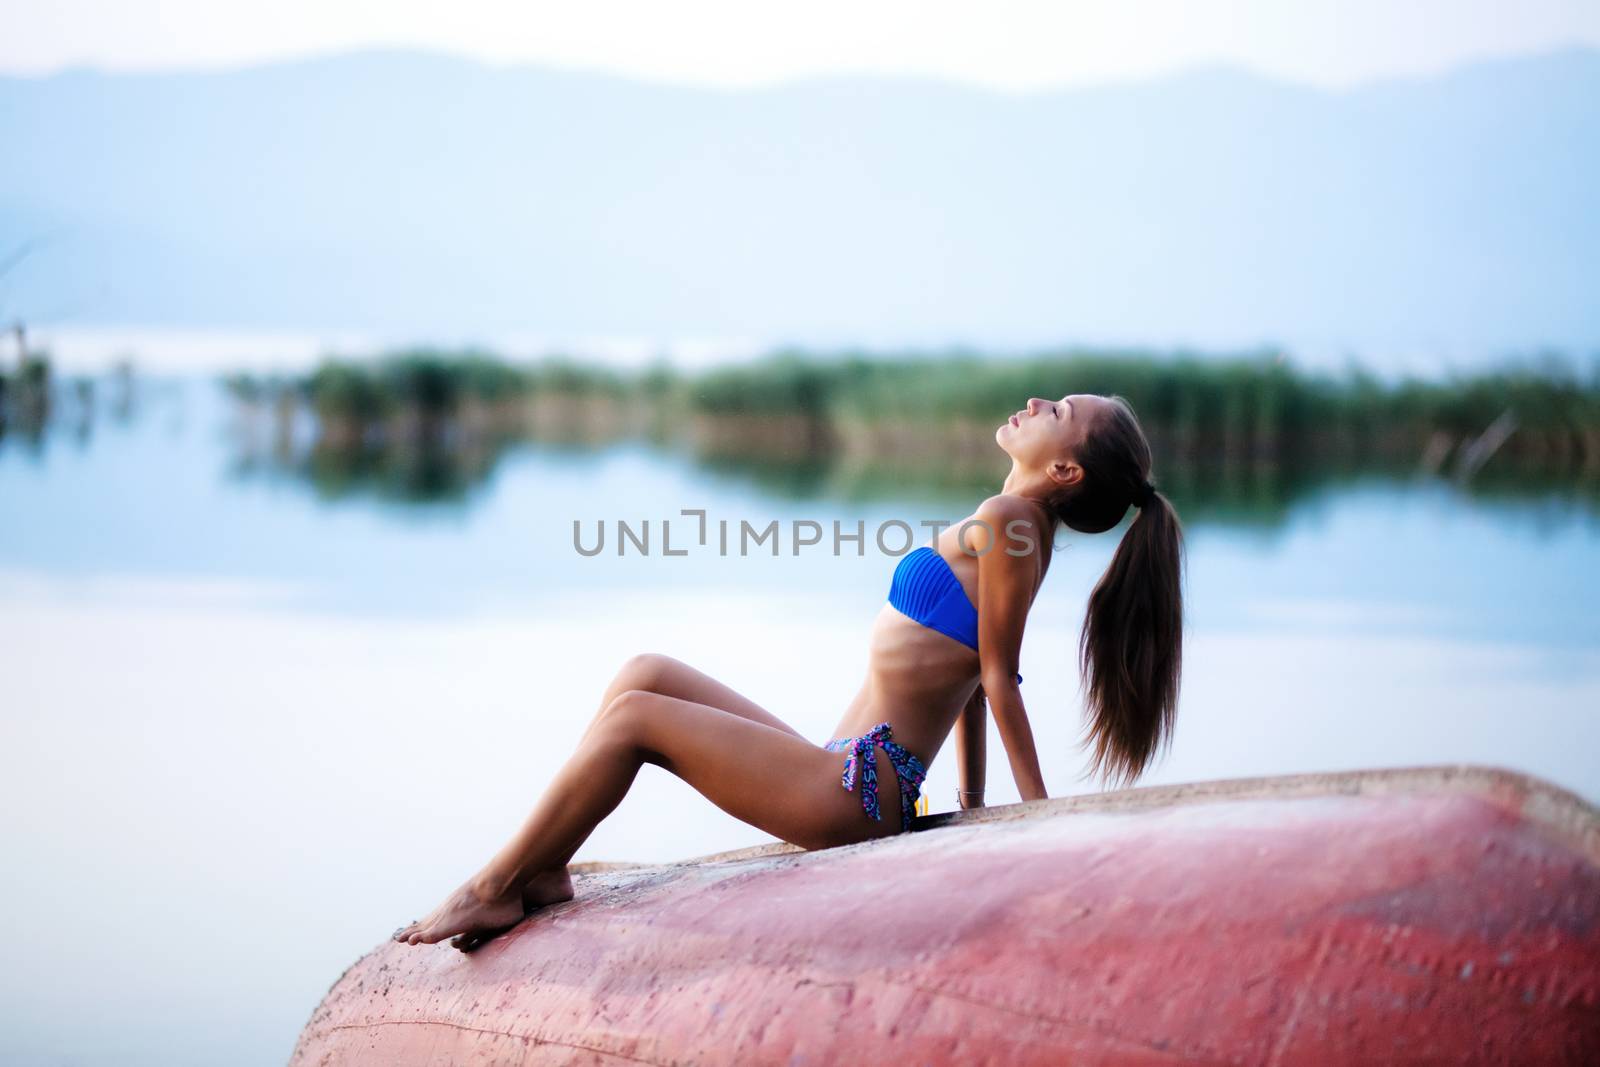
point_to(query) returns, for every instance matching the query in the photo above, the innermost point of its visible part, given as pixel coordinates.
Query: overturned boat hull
(1431, 915)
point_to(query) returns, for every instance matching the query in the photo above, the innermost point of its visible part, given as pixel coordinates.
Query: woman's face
(1045, 432)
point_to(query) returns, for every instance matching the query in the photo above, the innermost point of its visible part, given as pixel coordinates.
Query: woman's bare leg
(773, 780)
(650, 672)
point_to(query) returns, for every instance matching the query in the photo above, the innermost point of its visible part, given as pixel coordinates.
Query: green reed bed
(929, 418)
(1255, 405)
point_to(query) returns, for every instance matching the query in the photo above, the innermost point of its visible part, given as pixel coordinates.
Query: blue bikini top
(926, 590)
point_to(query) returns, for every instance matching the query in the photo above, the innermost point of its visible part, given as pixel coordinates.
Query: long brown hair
(1131, 648)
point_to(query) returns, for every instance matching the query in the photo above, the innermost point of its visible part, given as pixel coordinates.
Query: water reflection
(35, 403)
(1205, 490)
(1238, 440)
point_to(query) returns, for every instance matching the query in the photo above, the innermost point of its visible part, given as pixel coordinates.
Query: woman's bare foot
(465, 911)
(545, 888)
(470, 920)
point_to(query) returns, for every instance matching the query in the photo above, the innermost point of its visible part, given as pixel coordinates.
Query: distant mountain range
(417, 194)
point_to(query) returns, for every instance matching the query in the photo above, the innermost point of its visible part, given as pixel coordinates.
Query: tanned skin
(754, 766)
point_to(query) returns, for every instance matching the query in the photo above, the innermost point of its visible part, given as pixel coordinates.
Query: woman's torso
(919, 679)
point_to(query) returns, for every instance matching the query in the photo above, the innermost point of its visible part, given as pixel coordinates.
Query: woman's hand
(971, 755)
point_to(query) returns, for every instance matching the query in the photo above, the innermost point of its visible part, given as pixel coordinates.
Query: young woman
(948, 638)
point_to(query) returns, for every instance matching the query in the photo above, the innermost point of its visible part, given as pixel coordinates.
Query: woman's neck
(1024, 483)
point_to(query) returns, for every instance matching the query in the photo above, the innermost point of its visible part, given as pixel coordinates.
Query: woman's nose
(1033, 403)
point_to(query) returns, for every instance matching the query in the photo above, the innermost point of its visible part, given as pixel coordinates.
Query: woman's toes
(473, 940)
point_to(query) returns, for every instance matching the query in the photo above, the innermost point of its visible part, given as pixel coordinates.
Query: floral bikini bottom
(862, 758)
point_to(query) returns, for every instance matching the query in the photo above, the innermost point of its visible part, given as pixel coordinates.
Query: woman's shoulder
(1009, 506)
(1001, 510)
(1015, 522)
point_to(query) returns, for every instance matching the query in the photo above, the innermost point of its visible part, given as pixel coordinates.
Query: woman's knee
(644, 672)
(624, 716)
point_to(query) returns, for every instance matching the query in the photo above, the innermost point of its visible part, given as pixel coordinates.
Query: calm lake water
(250, 728)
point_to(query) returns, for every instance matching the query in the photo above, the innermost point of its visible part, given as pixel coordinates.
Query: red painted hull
(1438, 915)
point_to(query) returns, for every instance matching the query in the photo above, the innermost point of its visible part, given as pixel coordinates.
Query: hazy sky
(1017, 44)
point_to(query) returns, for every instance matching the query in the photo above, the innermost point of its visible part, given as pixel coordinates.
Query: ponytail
(1130, 650)
(1131, 647)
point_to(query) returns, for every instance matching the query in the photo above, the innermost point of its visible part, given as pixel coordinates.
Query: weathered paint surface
(1447, 915)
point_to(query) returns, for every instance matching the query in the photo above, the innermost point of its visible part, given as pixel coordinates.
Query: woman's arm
(1012, 720)
(1008, 569)
(971, 751)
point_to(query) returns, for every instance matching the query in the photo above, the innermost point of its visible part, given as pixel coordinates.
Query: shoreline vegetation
(428, 423)
(33, 397)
